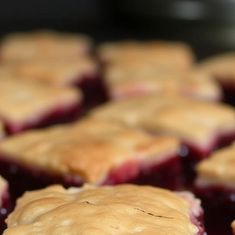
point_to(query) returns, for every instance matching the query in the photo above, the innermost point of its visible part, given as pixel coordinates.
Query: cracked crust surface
(119, 210)
(218, 169)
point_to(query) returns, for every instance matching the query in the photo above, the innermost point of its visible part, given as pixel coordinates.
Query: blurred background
(209, 25)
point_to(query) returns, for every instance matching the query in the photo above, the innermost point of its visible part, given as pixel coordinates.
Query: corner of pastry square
(221, 66)
(233, 226)
(218, 169)
(27, 104)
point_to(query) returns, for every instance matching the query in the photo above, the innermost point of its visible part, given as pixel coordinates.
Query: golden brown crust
(193, 121)
(3, 185)
(131, 81)
(2, 130)
(218, 169)
(233, 227)
(222, 67)
(61, 72)
(3, 189)
(119, 210)
(172, 55)
(75, 149)
(43, 45)
(23, 101)
(5, 71)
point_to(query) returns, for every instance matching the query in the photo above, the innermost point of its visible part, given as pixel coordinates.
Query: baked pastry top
(119, 210)
(3, 190)
(131, 81)
(222, 67)
(218, 169)
(2, 183)
(2, 130)
(59, 72)
(233, 226)
(173, 55)
(25, 101)
(43, 45)
(196, 122)
(75, 149)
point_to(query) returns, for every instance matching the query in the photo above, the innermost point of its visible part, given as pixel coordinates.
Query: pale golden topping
(43, 45)
(163, 54)
(218, 168)
(6, 71)
(3, 183)
(59, 72)
(221, 66)
(3, 188)
(233, 226)
(127, 81)
(76, 149)
(25, 101)
(119, 210)
(2, 130)
(193, 121)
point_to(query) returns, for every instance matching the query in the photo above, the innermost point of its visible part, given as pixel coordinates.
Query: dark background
(208, 25)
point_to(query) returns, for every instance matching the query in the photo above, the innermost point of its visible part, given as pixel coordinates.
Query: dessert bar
(125, 209)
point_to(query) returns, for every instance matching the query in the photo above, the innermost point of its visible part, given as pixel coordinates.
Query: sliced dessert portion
(25, 105)
(117, 210)
(202, 126)
(127, 81)
(4, 203)
(222, 68)
(215, 185)
(81, 72)
(92, 151)
(54, 58)
(163, 54)
(40, 45)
